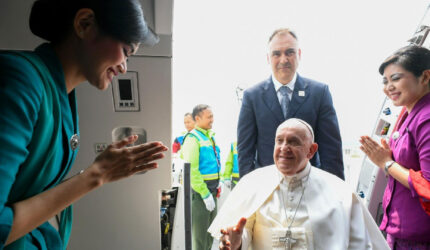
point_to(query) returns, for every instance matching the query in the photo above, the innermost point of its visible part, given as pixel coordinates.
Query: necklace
(288, 239)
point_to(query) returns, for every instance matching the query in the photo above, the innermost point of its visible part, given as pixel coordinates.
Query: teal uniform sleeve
(20, 97)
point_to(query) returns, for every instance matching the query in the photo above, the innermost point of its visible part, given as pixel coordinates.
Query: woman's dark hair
(122, 20)
(412, 58)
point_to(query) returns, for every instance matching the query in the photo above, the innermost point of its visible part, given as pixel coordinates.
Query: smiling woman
(406, 158)
(101, 36)
(406, 76)
(88, 40)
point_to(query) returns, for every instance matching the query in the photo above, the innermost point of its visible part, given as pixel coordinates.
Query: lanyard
(216, 154)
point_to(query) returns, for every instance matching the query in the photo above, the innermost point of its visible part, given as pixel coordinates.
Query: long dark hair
(122, 20)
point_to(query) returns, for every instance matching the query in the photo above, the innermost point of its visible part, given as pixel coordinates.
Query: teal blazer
(37, 120)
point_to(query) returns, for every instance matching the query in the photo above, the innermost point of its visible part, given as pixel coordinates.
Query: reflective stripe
(210, 176)
(205, 143)
(235, 162)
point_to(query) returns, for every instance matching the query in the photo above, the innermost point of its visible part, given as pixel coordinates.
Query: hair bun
(47, 20)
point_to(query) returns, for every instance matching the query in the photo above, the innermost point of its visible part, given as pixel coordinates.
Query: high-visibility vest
(235, 173)
(209, 160)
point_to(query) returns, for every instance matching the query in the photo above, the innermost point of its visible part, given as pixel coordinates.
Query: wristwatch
(388, 165)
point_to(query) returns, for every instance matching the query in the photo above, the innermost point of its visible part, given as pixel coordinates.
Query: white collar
(290, 85)
(298, 176)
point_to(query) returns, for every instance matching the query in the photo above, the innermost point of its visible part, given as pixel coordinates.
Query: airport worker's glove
(227, 184)
(209, 202)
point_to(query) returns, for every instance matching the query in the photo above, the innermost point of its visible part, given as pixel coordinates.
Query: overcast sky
(219, 45)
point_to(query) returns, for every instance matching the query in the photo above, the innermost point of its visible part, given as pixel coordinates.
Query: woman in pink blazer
(406, 157)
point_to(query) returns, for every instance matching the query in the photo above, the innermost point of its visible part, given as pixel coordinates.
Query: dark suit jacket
(261, 114)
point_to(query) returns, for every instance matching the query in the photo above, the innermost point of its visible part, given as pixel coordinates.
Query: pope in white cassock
(292, 205)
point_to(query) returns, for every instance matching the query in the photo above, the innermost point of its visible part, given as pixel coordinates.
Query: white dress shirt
(289, 85)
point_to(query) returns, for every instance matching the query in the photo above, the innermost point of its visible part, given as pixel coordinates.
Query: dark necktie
(285, 100)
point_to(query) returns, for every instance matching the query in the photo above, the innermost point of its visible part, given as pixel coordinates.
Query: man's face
(205, 119)
(293, 149)
(189, 123)
(284, 56)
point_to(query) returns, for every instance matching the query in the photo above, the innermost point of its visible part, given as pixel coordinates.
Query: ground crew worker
(231, 171)
(200, 150)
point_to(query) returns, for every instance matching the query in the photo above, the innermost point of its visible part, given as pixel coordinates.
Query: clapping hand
(231, 238)
(377, 153)
(118, 161)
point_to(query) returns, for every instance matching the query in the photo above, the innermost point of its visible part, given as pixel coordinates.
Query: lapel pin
(396, 135)
(74, 142)
(301, 93)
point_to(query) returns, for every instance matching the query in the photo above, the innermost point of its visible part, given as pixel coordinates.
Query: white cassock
(329, 215)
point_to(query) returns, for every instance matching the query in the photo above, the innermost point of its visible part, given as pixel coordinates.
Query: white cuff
(246, 239)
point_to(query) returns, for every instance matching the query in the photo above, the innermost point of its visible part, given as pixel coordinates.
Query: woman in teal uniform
(89, 40)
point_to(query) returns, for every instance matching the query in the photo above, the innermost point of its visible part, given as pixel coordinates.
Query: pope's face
(293, 149)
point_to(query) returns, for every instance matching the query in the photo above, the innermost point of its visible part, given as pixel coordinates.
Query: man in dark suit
(284, 95)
